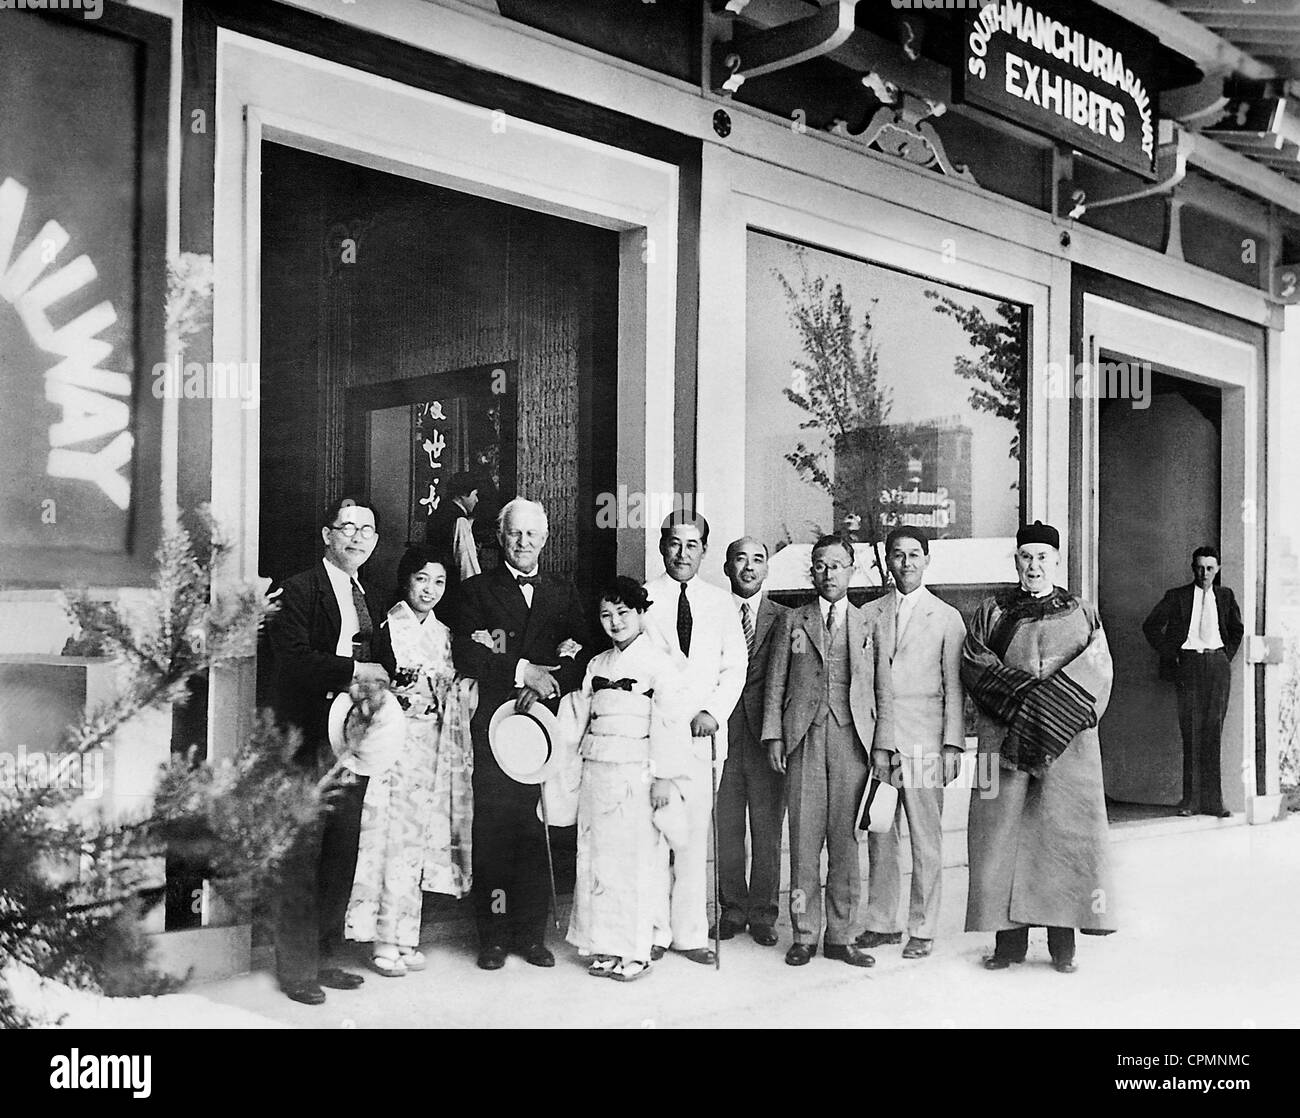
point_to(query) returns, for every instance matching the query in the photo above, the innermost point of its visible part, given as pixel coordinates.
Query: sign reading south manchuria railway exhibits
(1074, 72)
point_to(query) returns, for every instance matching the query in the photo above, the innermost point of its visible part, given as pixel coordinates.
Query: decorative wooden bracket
(901, 127)
(751, 54)
(1171, 157)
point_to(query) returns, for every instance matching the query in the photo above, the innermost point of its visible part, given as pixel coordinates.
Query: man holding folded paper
(1036, 663)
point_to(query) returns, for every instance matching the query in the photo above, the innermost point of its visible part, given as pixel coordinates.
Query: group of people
(705, 695)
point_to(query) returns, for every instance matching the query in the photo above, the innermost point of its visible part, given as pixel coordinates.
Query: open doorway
(411, 332)
(406, 438)
(1159, 497)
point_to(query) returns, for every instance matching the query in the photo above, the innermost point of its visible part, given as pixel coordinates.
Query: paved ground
(1209, 927)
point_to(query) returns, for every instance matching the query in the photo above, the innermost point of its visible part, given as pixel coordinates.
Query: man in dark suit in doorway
(450, 532)
(522, 634)
(1197, 630)
(326, 638)
(748, 784)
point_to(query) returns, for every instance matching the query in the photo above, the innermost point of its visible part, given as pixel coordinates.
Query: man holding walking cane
(699, 619)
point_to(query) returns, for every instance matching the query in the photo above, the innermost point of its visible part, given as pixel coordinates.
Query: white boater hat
(367, 748)
(526, 746)
(876, 808)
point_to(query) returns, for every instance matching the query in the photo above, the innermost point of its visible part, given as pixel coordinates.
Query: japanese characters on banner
(427, 474)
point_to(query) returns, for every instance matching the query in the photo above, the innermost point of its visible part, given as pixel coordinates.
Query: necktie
(684, 622)
(1207, 617)
(600, 683)
(747, 623)
(900, 619)
(527, 580)
(830, 621)
(365, 627)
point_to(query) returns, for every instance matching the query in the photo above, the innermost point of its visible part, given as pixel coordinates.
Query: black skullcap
(1038, 532)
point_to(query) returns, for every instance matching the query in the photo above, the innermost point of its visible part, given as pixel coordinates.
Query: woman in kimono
(415, 829)
(635, 746)
(1036, 663)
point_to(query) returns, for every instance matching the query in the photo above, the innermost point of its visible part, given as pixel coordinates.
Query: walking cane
(550, 860)
(717, 892)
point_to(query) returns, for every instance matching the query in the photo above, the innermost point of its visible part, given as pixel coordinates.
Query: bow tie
(526, 580)
(600, 683)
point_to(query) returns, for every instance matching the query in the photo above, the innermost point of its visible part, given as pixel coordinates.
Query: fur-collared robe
(1039, 844)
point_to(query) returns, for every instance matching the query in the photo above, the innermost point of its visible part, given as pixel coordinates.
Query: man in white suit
(922, 638)
(698, 618)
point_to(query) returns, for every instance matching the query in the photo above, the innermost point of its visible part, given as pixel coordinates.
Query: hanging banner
(82, 284)
(1070, 71)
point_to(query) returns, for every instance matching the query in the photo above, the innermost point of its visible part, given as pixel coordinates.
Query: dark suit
(749, 784)
(440, 538)
(1203, 681)
(316, 874)
(510, 874)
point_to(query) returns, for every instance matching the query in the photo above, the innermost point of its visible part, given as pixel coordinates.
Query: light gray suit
(924, 675)
(821, 703)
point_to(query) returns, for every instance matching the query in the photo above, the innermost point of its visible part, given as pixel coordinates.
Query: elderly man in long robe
(1036, 663)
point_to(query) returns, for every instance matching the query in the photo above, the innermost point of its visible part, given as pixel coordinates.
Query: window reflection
(874, 398)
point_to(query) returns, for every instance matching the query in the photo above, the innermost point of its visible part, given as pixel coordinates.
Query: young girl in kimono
(634, 747)
(415, 829)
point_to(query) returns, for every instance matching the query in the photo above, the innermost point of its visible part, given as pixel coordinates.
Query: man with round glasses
(827, 690)
(324, 639)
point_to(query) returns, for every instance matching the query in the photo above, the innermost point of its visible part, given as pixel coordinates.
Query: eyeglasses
(823, 568)
(365, 531)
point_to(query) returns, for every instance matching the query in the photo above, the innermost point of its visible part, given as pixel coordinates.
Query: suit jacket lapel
(888, 623)
(543, 600)
(1186, 605)
(510, 595)
(857, 629)
(329, 604)
(763, 622)
(920, 611)
(813, 626)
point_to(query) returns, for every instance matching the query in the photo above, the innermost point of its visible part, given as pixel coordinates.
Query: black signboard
(82, 288)
(1071, 71)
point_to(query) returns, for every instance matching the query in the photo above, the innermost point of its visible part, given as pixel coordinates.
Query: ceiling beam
(1211, 52)
(1233, 167)
(1223, 7)
(1245, 23)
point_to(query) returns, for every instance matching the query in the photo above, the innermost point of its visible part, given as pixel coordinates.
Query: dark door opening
(406, 438)
(387, 302)
(1159, 498)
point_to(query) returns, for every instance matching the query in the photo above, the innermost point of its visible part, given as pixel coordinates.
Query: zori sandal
(630, 970)
(388, 966)
(603, 966)
(413, 959)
